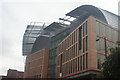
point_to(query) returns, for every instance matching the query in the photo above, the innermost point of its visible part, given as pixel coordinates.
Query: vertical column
(92, 59)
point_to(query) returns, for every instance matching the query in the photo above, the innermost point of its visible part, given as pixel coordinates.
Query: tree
(111, 66)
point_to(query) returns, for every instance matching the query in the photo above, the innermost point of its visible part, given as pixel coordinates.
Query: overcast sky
(15, 15)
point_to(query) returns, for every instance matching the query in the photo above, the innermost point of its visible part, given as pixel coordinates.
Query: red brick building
(37, 64)
(82, 52)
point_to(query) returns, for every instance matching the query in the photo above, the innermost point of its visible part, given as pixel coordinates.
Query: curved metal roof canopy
(83, 12)
(34, 35)
(30, 35)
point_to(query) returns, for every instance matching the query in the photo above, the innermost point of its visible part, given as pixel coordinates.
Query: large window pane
(80, 38)
(86, 60)
(116, 35)
(80, 62)
(86, 43)
(110, 33)
(104, 30)
(83, 62)
(86, 27)
(98, 43)
(97, 27)
(98, 61)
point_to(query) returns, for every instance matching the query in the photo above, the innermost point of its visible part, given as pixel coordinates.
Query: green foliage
(111, 66)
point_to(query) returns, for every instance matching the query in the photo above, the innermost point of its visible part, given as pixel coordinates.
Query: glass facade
(98, 60)
(110, 33)
(105, 39)
(98, 43)
(30, 36)
(81, 62)
(86, 25)
(116, 35)
(80, 38)
(72, 48)
(104, 30)
(55, 40)
(86, 43)
(97, 27)
(86, 60)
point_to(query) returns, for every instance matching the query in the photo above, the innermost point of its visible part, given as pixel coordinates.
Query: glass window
(80, 62)
(80, 38)
(103, 43)
(71, 66)
(86, 27)
(86, 43)
(116, 35)
(83, 44)
(86, 60)
(83, 29)
(98, 43)
(83, 62)
(75, 65)
(104, 30)
(74, 37)
(98, 61)
(97, 27)
(110, 33)
(74, 52)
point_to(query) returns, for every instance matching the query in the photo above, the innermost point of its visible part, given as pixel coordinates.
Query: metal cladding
(38, 37)
(83, 12)
(40, 43)
(30, 35)
(54, 28)
(44, 40)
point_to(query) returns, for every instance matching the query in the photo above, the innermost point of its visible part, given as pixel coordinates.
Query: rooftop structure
(32, 32)
(52, 35)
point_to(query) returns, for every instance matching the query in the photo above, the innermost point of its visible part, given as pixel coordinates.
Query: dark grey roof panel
(54, 26)
(87, 10)
(40, 43)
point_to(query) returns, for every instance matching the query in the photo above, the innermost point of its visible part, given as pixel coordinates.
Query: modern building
(36, 65)
(46, 39)
(73, 39)
(82, 52)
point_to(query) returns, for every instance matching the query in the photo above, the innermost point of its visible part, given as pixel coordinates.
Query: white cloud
(11, 63)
